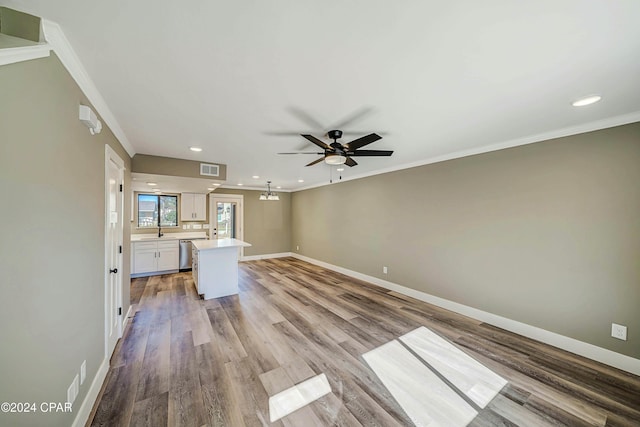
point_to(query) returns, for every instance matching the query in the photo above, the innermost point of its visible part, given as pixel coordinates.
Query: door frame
(112, 156)
(213, 213)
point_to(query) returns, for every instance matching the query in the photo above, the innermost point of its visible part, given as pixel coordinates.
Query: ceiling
(439, 79)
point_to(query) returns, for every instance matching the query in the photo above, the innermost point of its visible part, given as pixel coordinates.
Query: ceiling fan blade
(363, 153)
(361, 142)
(350, 162)
(305, 117)
(284, 133)
(357, 132)
(316, 141)
(315, 161)
(353, 117)
(301, 152)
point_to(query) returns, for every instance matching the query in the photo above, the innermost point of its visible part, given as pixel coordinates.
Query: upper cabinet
(193, 207)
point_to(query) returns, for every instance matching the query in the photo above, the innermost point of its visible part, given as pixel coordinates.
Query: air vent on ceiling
(209, 170)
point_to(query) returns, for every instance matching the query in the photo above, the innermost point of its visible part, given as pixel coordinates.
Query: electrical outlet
(184, 226)
(619, 331)
(83, 372)
(297, 248)
(384, 270)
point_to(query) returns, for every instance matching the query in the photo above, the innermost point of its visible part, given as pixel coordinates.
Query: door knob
(115, 270)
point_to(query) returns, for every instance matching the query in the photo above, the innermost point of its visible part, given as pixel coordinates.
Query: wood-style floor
(185, 361)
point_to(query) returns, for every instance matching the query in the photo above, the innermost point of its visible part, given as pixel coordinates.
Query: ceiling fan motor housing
(334, 134)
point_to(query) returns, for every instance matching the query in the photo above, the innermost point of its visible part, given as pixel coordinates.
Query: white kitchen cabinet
(193, 207)
(145, 257)
(168, 255)
(154, 256)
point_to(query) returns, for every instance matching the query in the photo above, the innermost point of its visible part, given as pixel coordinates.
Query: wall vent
(209, 170)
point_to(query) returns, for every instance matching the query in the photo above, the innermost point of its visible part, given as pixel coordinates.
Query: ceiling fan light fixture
(335, 159)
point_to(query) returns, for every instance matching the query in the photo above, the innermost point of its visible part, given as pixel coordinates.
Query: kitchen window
(157, 211)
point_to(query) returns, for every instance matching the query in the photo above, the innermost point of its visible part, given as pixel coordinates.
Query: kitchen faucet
(160, 233)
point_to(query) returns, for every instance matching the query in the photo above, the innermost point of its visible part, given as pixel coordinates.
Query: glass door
(227, 222)
(226, 217)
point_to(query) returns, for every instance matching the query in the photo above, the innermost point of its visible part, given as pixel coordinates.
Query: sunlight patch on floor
(298, 396)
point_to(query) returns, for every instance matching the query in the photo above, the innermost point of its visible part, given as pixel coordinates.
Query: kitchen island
(215, 266)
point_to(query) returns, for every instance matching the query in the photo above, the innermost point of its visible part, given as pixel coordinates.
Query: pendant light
(269, 195)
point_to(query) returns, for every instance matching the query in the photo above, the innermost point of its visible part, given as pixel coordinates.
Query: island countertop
(205, 245)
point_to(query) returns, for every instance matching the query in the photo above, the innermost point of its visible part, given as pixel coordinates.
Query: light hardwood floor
(185, 361)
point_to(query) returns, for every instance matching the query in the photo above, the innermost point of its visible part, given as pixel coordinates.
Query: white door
(226, 216)
(114, 182)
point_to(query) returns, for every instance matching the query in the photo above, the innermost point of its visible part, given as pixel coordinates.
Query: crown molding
(12, 55)
(54, 35)
(27, 53)
(545, 136)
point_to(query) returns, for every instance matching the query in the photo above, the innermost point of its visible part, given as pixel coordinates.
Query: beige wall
(157, 165)
(19, 24)
(267, 224)
(547, 234)
(52, 251)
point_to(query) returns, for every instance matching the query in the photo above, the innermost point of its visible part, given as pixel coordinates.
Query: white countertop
(169, 236)
(204, 245)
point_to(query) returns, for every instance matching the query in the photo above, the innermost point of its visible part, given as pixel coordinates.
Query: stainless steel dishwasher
(185, 253)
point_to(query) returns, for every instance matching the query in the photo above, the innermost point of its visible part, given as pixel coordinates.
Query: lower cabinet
(154, 256)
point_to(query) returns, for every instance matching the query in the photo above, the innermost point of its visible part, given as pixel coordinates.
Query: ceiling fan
(338, 154)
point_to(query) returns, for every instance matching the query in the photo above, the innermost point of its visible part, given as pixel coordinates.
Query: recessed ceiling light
(240, 184)
(210, 188)
(215, 184)
(152, 183)
(588, 100)
(279, 187)
(301, 180)
(196, 149)
(255, 176)
(340, 169)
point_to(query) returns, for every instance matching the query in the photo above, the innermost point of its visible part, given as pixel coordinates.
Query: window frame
(157, 211)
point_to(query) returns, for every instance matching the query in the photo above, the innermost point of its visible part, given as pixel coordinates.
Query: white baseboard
(265, 256)
(126, 318)
(599, 354)
(90, 399)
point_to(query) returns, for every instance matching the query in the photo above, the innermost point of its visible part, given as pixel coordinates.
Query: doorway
(114, 221)
(226, 217)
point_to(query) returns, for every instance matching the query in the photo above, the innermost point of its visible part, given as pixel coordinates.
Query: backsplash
(184, 226)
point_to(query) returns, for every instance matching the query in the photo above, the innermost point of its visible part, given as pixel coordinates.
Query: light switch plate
(83, 372)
